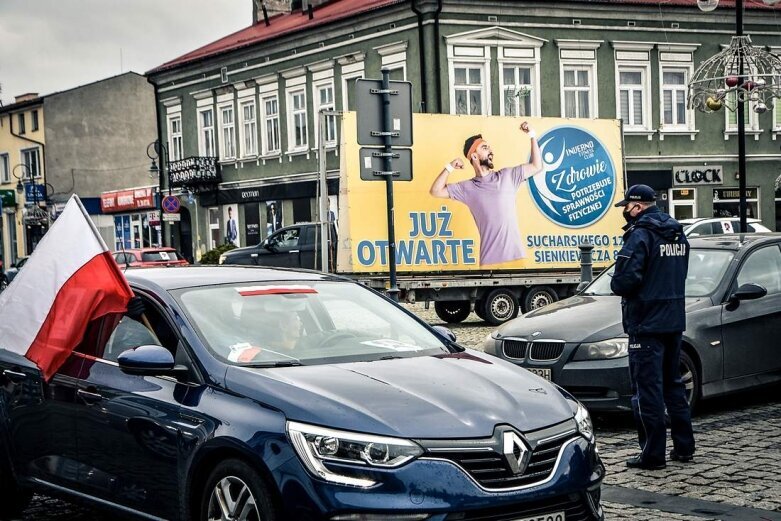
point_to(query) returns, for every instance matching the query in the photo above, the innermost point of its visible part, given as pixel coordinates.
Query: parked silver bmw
(733, 317)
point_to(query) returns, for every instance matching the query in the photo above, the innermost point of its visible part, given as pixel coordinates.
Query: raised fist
(525, 127)
(457, 163)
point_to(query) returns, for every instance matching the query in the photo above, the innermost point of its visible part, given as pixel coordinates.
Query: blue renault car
(267, 394)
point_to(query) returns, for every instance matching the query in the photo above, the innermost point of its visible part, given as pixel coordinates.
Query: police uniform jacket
(650, 274)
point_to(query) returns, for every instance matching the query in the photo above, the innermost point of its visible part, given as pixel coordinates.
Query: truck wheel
(452, 311)
(539, 296)
(16, 499)
(500, 306)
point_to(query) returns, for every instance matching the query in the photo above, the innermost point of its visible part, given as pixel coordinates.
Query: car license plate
(558, 516)
(545, 373)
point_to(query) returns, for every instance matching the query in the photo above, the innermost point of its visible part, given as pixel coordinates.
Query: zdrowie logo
(578, 181)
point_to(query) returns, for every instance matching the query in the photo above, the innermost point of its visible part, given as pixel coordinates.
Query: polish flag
(69, 280)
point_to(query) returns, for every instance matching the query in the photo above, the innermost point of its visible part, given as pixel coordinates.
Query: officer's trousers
(654, 366)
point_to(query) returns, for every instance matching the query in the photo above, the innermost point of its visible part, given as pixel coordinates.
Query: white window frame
(394, 57)
(37, 174)
(752, 126)
(352, 68)
(292, 114)
(675, 203)
(580, 55)
(632, 57)
(642, 87)
(206, 141)
(5, 168)
(248, 128)
(331, 130)
(175, 141)
(214, 227)
(484, 87)
(676, 57)
(520, 57)
(268, 149)
(227, 153)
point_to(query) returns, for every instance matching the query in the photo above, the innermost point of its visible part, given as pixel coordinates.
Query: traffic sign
(171, 204)
(372, 168)
(172, 217)
(368, 96)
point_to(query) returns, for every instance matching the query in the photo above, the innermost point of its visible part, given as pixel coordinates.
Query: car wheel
(235, 491)
(15, 499)
(691, 380)
(500, 306)
(453, 311)
(539, 296)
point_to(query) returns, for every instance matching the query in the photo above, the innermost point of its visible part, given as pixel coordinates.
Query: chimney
(25, 97)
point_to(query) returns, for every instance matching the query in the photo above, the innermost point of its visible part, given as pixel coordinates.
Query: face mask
(628, 215)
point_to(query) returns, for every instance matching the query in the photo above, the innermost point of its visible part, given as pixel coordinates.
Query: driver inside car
(274, 333)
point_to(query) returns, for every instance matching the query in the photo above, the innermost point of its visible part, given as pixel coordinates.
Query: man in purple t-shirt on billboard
(490, 197)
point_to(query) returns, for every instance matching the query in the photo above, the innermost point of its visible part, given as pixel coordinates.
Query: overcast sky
(52, 45)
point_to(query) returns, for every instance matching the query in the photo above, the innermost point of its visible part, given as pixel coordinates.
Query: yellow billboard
(515, 221)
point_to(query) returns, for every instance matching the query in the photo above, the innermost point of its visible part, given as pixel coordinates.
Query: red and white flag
(69, 280)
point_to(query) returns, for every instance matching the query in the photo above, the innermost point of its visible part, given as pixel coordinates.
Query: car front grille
(492, 471)
(520, 349)
(574, 507)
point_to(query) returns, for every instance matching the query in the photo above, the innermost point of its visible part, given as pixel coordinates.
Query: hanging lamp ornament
(717, 83)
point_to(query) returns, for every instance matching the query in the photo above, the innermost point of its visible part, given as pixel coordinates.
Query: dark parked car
(289, 395)
(296, 246)
(149, 258)
(11, 272)
(733, 319)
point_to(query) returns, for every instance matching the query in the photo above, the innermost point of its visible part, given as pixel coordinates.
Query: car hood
(582, 318)
(237, 251)
(458, 395)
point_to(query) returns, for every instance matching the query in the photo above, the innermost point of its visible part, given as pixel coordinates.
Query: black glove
(135, 308)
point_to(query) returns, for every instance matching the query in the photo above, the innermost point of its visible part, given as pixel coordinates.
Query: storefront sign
(697, 175)
(153, 218)
(721, 194)
(193, 171)
(127, 200)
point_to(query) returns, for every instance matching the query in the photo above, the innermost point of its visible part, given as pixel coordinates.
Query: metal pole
(323, 194)
(741, 123)
(586, 265)
(387, 160)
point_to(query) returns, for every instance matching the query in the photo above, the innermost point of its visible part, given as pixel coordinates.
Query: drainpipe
(163, 166)
(422, 57)
(437, 53)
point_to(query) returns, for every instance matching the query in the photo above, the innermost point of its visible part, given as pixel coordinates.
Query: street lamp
(154, 151)
(738, 74)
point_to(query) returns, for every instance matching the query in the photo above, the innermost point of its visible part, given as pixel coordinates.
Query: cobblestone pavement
(737, 464)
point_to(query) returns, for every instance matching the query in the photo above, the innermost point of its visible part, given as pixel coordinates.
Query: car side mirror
(445, 332)
(748, 291)
(148, 360)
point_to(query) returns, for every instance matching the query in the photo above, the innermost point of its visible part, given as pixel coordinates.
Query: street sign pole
(387, 161)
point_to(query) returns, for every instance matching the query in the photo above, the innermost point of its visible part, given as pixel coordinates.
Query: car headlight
(223, 258)
(604, 350)
(317, 445)
(583, 419)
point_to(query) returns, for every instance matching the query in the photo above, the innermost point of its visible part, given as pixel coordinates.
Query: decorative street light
(154, 151)
(732, 77)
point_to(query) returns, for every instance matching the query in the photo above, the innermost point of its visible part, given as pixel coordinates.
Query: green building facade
(251, 100)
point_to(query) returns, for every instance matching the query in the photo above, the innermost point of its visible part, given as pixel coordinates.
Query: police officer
(650, 275)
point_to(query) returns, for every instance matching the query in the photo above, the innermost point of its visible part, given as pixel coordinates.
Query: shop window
(214, 228)
(726, 202)
(683, 203)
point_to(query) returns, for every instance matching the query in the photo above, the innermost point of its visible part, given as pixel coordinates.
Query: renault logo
(515, 452)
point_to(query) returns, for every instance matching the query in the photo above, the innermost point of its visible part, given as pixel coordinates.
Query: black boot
(638, 463)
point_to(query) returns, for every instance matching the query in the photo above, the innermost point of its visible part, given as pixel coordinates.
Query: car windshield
(706, 268)
(158, 256)
(291, 323)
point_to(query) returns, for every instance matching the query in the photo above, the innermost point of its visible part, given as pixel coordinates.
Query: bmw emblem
(536, 334)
